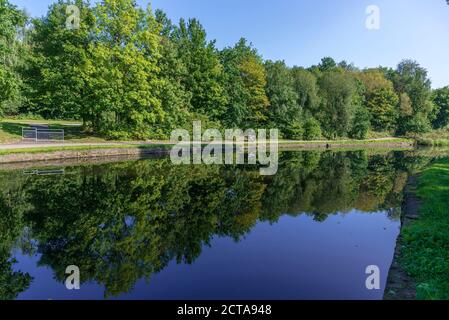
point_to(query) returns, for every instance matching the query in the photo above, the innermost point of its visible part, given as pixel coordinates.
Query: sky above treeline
(301, 32)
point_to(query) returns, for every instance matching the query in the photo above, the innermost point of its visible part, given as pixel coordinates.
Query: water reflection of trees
(126, 221)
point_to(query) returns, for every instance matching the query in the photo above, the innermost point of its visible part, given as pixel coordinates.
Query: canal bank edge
(80, 154)
(400, 286)
(25, 155)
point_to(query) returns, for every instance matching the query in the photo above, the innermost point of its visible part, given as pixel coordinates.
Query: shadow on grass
(12, 128)
(71, 132)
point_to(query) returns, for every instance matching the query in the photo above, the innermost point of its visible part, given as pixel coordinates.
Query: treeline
(129, 72)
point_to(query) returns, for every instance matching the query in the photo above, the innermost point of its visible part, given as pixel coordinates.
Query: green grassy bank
(435, 138)
(84, 148)
(425, 243)
(11, 130)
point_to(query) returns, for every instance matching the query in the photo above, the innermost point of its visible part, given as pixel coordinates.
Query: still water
(146, 229)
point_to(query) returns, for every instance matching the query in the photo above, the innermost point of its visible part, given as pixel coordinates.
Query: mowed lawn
(11, 130)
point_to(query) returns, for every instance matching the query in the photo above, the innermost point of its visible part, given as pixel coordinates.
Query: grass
(41, 121)
(349, 141)
(425, 254)
(432, 142)
(82, 148)
(435, 138)
(158, 146)
(11, 130)
(11, 133)
(377, 135)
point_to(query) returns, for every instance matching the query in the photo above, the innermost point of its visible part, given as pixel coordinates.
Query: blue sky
(301, 32)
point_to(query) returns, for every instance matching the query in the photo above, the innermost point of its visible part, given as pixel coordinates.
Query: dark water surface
(147, 229)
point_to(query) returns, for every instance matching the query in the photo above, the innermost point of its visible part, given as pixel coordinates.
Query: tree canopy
(130, 73)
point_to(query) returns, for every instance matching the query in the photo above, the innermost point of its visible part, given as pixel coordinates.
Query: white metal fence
(43, 172)
(43, 135)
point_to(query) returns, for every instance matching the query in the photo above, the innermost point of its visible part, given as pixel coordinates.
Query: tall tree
(336, 113)
(122, 74)
(245, 81)
(327, 64)
(11, 22)
(380, 99)
(305, 86)
(441, 101)
(175, 97)
(374, 79)
(411, 79)
(283, 112)
(382, 104)
(204, 78)
(55, 81)
(254, 80)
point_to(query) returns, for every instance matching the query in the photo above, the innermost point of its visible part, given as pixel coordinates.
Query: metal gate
(44, 135)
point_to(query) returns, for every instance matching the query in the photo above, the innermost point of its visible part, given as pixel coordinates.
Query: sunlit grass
(84, 148)
(426, 241)
(11, 130)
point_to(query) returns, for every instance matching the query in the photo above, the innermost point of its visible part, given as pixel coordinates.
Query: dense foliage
(129, 72)
(12, 22)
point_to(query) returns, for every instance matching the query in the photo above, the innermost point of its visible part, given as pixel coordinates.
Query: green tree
(305, 86)
(347, 66)
(312, 129)
(55, 79)
(283, 112)
(374, 80)
(361, 124)
(253, 75)
(382, 104)
(11, 22)
(175, 98)
(204, 77)
(327, 64)
(380, 99)
(336, 113)
(411, 79)
(441, 101)
(122, 73)
(418, 123)
(245, 81)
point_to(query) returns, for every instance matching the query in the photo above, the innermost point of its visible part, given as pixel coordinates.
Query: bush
(361, 124)
(312, 129)
(295, 131)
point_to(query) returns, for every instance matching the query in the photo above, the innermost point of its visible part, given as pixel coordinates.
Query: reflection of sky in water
(295, 258)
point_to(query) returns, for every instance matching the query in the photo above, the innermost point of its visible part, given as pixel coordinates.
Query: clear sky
(301, 32)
